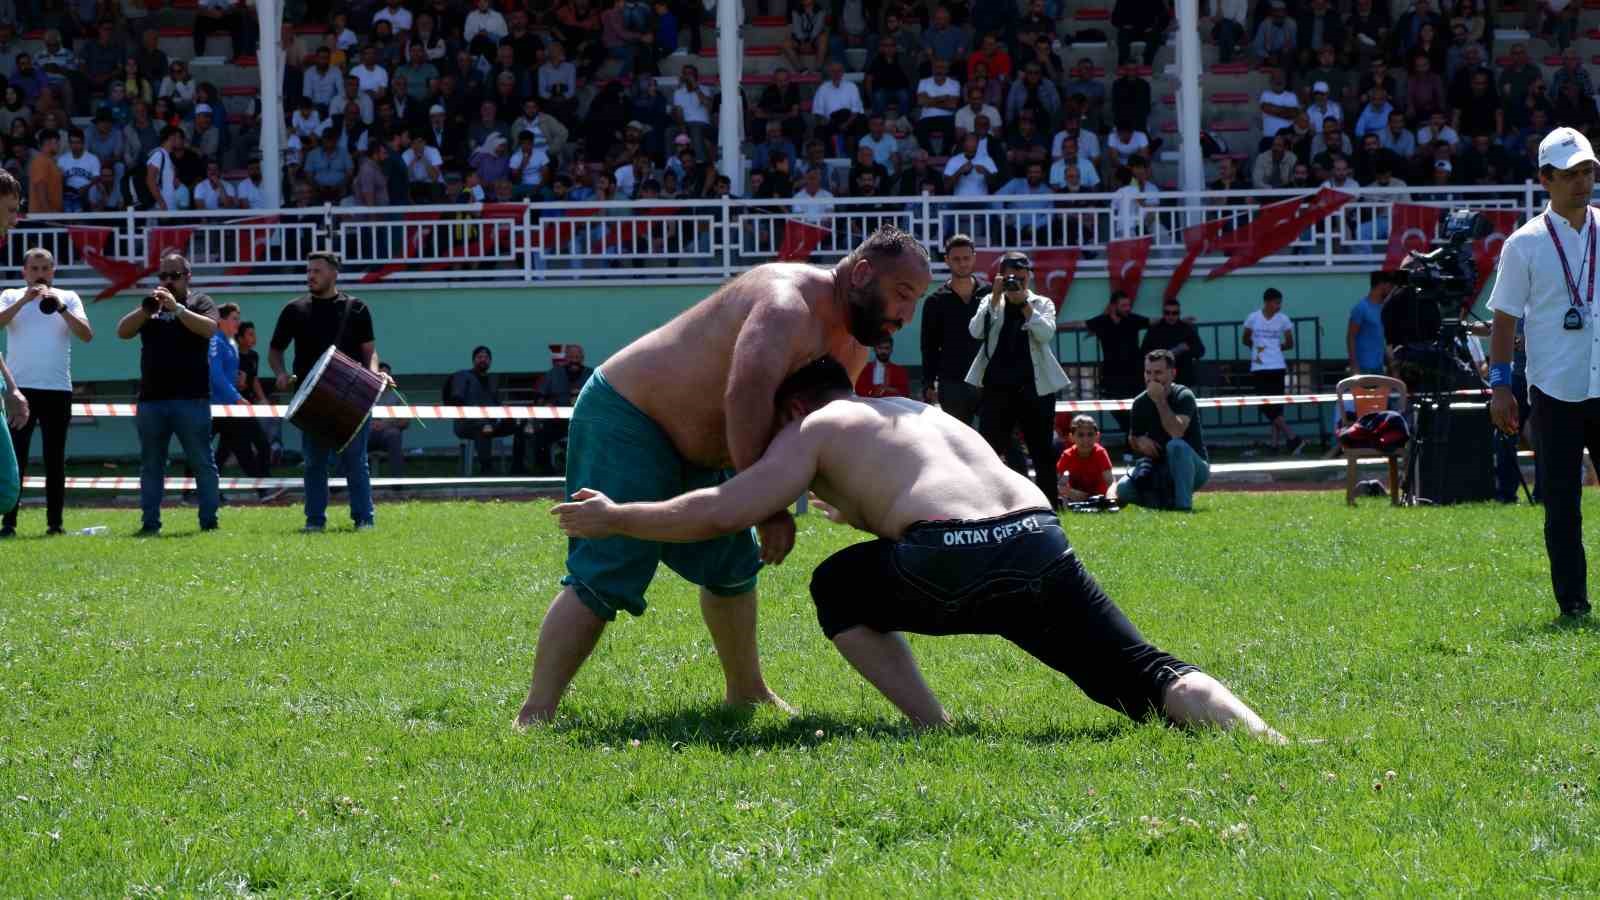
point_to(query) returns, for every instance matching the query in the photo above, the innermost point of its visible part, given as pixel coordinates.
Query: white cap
(436, 110)
(1565, 148)
(1442, 165)
(1320, 87)
(202, 109)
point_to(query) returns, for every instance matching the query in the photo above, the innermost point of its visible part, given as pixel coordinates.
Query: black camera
(1011, 282)
(1430, 293)
(151, 305)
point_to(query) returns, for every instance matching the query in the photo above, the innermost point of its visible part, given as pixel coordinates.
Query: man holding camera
(1017, 368)
(328, 317)
(1546, 281)
(40, 323)
(174, 326)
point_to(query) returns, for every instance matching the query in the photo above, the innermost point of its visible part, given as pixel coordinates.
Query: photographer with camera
(1546, 280)
(40, 322)
(1017, 369)
(174, 326)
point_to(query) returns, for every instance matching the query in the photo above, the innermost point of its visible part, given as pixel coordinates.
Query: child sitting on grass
(1085, 466)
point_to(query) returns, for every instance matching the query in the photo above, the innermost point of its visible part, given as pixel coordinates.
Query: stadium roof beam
(730, 68)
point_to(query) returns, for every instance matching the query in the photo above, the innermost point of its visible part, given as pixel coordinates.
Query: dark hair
(814, 382)
(1547, 171)
(888, 242)
(75, 132)
(1271, 294)
(1162, 356)
(46, 134)
(246, 326)
(482, 349)
(1173, 303)
(1118, 295)
(327, 256)
(169, 131)
(958, 240)
(1377, 278)
(226, 310)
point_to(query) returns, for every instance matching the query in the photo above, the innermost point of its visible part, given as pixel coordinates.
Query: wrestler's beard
(868, 315)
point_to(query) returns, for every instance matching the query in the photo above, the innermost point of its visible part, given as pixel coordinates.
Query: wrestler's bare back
(887, 463)
(678, 373)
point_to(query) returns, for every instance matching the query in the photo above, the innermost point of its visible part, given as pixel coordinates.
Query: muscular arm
(762, 357)
(752, 496)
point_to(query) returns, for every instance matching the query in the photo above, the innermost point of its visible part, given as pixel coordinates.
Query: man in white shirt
(1072, 157)
(1133, 206)
(1088, 141)
(40, 323)
(398, 17)
(1546, 281)
(79, 169)
(938, 95)
(528, 166)
(372, 78)
(248, 192)
(967, 116)
(1124, 143)
(1268, 333)
(813, 203)
(838, 110)
(161, 169)
(967, 173)
(1279, 106)
(213, 192)
(487, 21)
(424, 167)
(884, 147)
(1321, 107)
(691, 108)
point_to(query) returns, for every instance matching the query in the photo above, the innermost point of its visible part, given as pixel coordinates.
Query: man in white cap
(1547, 280)
(1322, 108)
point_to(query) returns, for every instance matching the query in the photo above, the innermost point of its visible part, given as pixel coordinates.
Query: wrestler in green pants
(10, 482)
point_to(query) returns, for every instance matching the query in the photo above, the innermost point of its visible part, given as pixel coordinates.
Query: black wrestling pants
(1014, 576)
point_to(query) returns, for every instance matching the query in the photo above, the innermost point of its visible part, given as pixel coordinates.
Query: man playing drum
(328, 317)
(673, 410)
(964, 546)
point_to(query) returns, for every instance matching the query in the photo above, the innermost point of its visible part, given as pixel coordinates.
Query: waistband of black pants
(991, 531)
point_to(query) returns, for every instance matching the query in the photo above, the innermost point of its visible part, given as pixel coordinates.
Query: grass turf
(254, 711)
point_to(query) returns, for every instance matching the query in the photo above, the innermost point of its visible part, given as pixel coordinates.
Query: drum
(335, 400)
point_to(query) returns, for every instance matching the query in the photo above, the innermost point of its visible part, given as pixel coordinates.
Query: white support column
(267, 17)
(730, 68)
(1192, 170)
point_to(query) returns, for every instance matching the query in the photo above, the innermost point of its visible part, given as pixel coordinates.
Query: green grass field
(258, 712)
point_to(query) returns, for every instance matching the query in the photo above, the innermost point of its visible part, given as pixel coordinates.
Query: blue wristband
(1500, 375)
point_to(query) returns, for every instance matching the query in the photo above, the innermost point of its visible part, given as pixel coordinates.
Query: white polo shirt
(830, 98)
(1530, 285)
(39, 346)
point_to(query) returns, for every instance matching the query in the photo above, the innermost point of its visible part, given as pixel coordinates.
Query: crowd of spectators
(425, 101)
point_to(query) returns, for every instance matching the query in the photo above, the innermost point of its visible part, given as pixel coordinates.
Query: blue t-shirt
(1368, 318)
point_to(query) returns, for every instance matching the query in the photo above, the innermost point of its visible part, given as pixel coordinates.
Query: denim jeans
(190, 420)
(1189, 473)
(353, 461)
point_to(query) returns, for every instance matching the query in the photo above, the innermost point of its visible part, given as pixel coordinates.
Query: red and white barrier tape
(131, 483)
(276, 411)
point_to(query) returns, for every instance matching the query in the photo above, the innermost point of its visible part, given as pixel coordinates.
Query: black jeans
(1004, 409)
(1152, 35)
(1014, 576)
(483, 444)
(1562, 431)
(959, 399)
(50, 412)
(244, 440)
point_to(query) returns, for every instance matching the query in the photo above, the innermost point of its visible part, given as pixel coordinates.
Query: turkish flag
(1277, 226)
(1486, 250)
(1411, 227)
(123, 274)
(1052, 270)
(1125, 261)
(799, 239)
(1197, 241)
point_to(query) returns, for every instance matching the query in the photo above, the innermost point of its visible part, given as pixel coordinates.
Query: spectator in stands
(1130, 99)
(1572, 70)
(1124, 143)
(1140, 21)
(1376, 229)
(882, 378)
(886, 79)
(866, 163)
(1086, 141)
(692, 107)
(371, 185)
(424, 168)
(1318, 27)
(1409, 27)
(103, 59)
(416, 73)
(307, 122)
(1092, 89)
(14, 109)
(62, 71)
(1559, 19)
(1134, 205)
(1177, 336)
(1269, 333)
(10, 46)
(1321, 109)
(1278, 106)
(944, 40)
(1425, 90)
(1378, 75)
(79, 169)
(885, 149)
(813, 203)
(913, 177)
(1277, 38)
(1033, 92)
(178, 87)
(371, 77)
(1517, 75)
(967, 173)
(1302, 177)
(354, 136)
(489, 122)
(28, 79)
(1436, 130)
(529, 168)
(806, 44)
(1481, 112)
(1225, 25)
(1274, 167)
(485, 27)
(1430, 44)
(477, 387)
(1374, 116)
(204, 137)
(1332, 140)
(1228, 179)
(1027, 221)
(1337, 80)
(105, 195)
(967, 115)
(45, 182)
(1024, 143)
(1574, 109)
(1339, 177)
(938, 96)
(839, 111)
(329, 167)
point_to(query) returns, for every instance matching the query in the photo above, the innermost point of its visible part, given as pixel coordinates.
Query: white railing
(694, 240)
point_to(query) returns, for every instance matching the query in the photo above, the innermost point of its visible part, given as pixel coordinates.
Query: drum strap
(344, 316)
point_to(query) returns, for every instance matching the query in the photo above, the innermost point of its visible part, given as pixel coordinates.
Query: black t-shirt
(1119, 345)
(1144, 420)
(250, 366)
(174, 362)
(1010, 364)
(312, 325)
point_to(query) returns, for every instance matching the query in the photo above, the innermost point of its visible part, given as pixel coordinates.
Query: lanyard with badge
(1573, 321)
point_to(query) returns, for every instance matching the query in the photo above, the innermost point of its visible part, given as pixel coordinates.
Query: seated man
(965, 546)
(476, 387)
(389, 435)
(1164, 429)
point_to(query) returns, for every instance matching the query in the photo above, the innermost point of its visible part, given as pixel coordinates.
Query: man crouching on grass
(965, 546)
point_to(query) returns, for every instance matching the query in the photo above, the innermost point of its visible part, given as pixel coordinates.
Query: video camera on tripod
(1422, 317)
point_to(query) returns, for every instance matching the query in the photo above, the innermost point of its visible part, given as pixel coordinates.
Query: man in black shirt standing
(322, 318)
(1179, 336)
(1166, 431)
(1121, 362)
(947, 346)
(174, 326)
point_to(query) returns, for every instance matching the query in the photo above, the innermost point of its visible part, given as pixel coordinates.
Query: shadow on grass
(730, 728)
(1588, 624)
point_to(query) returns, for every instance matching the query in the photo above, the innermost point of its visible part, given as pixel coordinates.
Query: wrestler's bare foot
(1196, 700)
(529, 716)
(763, 698)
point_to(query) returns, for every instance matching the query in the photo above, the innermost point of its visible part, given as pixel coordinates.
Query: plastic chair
(1371, 393)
